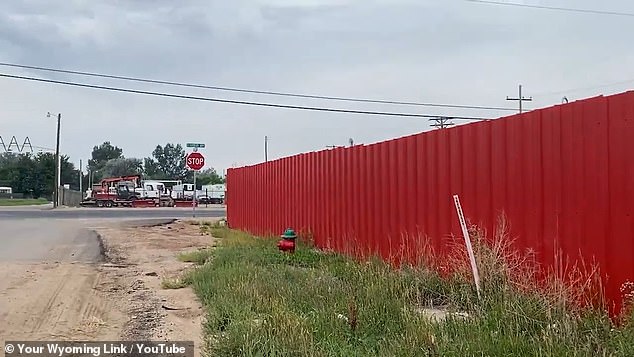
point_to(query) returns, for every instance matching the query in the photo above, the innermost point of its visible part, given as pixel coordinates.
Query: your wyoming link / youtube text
(97, 349)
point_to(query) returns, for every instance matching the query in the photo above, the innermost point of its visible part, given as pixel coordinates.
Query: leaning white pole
(467, 240)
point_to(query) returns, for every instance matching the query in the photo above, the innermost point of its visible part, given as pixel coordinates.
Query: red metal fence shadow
(563, 176)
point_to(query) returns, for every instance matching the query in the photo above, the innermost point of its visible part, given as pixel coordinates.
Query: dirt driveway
(116, 297)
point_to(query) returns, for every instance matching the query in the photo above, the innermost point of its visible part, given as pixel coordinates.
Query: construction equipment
(114, 192)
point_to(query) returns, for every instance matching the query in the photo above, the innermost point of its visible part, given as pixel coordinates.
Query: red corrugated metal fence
(563, 176)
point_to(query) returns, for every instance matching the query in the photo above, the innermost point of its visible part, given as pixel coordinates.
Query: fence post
(467, 240)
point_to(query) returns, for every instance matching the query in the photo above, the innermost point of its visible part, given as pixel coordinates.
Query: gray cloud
(434, 51)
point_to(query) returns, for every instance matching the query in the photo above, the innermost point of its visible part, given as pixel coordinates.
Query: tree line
(167, 162)
(34, 174)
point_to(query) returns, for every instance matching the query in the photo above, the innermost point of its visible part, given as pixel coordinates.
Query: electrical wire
(229, 89)
(555, 8)
(586, 88)
(228, 101)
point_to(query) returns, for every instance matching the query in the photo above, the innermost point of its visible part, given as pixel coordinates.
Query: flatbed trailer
(105, 202)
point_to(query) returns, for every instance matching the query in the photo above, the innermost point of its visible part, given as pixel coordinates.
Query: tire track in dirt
(53, 296)
(58, 303)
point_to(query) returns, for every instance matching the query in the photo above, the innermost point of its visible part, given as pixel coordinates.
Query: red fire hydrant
(287, 243)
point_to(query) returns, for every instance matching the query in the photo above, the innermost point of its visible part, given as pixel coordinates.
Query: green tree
(45, 174)
(22, 175)
(8, 162)
(122, 167)
(209, 177)
(151, 169)
(167, 162)
(35, 175)
(101, 155)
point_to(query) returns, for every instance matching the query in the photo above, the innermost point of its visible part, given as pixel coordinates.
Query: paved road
(48, 278)
(19, 213)
(37, 240)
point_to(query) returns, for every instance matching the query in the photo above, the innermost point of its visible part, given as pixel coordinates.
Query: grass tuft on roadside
(215, 229)
(314, 303)
(199, 257)
(175, 283)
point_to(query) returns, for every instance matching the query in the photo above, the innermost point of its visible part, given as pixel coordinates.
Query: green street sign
(195, 145)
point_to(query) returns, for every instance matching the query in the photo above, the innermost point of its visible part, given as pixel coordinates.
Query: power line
(586, 88)
(229, 89)
(555, 8)
(228, 101)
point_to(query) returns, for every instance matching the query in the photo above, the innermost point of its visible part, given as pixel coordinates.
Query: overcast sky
(438, 51)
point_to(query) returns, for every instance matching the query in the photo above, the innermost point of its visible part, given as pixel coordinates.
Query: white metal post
(467, 240)
(194, 197)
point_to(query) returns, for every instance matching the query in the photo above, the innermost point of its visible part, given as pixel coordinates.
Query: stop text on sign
(195, 161)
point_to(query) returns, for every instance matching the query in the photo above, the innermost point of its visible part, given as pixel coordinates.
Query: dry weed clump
(505, 269)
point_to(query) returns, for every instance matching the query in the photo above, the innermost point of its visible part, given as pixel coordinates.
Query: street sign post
(195, 145)
(195, 161)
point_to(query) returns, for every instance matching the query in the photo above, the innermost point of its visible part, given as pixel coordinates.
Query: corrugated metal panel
(562, 176)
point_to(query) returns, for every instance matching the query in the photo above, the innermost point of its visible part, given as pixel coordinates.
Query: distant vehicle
(124, 190)
(123, 194)
(214, 193)
(183, 191)
(204, 200)
(6, 190)
(151, 189)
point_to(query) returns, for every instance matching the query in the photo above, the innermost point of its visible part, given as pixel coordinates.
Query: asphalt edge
(149, 223)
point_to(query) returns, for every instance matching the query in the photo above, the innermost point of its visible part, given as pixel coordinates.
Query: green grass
(260, 302)
(198, 256)
(22, 202)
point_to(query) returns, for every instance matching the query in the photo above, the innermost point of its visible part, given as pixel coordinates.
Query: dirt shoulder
(117, 296)
(57, 301)
(139, 260)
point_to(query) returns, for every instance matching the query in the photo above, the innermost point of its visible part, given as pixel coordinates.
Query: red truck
(114, 192)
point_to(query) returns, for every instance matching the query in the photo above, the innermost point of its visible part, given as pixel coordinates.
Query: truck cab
(151, 189)
(125, 191)
(183, 191)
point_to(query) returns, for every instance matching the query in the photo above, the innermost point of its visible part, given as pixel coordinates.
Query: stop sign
(195, 161)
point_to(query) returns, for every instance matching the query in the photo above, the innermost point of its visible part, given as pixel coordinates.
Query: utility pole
(58, 163)
(81, 176)
(520, 98)
(266, 149)
(442, 122)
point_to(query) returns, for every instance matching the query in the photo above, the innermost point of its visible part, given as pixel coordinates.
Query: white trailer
(183, 191)
(213, 193)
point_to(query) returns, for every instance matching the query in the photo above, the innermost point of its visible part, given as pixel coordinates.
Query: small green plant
(199, 257)
(174, 283)
(215, 229)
